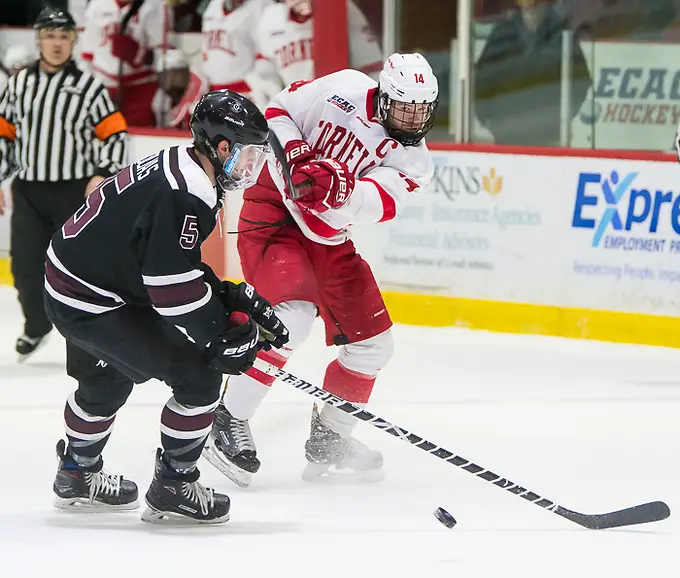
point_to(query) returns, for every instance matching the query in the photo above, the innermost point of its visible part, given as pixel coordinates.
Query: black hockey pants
(109, 352)
(39, 210)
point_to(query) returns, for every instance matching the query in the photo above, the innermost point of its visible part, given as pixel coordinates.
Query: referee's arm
(110, 128)
(8, 132)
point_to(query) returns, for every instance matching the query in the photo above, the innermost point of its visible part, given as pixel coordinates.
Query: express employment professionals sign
(625, 235)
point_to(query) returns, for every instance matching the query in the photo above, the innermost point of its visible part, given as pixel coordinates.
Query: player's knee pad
(103, 398)
(298, 317)
(199, 391)
(368, 356)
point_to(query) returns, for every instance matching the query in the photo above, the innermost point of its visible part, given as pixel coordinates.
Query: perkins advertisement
(467, 234)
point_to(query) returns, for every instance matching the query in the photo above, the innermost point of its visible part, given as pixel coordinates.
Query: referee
(62, 136)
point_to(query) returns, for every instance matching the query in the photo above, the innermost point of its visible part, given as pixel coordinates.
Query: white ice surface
(592, 426)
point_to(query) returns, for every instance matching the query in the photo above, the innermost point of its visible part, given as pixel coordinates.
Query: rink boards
(519, 240)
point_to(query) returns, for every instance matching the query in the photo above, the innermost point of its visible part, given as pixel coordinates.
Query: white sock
(340, 422)
(244, 395)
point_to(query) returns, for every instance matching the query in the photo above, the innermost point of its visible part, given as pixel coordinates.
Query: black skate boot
(180, 497)
(27, 346)
(230, 448)
(91, 489)
(330, 455)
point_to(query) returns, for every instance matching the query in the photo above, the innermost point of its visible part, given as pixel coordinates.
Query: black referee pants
(38, 212)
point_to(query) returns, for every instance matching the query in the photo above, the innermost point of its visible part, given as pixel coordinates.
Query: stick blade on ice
(642, 514)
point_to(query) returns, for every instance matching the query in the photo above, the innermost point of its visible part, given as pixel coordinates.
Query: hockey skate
(230, 448)
(175, 497)
(27, 346)
(91, 489)
(331, 456)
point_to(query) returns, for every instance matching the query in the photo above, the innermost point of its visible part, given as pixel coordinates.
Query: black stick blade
(642, 514)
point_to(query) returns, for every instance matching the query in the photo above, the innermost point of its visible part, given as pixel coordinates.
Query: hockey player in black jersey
(126, 287)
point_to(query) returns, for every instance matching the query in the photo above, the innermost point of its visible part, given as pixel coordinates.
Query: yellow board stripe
(440, 311)
(5, 275)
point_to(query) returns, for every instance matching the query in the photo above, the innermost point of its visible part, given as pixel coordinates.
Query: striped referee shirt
(59, 127)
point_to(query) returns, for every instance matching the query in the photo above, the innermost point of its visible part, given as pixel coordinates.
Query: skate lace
(240, 433)
(199, 494)
(103, 483)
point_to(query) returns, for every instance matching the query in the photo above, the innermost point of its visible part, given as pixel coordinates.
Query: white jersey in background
(287, 41)
(230, 54)
(334, 114)
(151, 28)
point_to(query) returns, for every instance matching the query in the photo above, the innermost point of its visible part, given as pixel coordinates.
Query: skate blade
(153, 516)
(325, 474)
(234, 473)
(83, 505)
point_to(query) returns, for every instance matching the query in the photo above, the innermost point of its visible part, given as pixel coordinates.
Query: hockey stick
(134, 8)
(280, 155)
(642, 514)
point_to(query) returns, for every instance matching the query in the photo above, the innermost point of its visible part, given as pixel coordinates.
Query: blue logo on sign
(626, 209)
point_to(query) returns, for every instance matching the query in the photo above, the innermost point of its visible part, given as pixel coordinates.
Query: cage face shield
(242, 167)
(410, 117)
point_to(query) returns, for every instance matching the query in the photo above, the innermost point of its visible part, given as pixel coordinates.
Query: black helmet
(54, 18)
(227, 115)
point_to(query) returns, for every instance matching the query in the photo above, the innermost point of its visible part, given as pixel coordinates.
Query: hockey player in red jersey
(356, 152)
(125, 61)
(285, 37)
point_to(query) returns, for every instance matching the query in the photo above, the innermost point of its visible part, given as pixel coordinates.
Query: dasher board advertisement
(569, 232)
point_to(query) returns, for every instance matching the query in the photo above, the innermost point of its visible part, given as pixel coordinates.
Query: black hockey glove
(244, 298)
(234, 351)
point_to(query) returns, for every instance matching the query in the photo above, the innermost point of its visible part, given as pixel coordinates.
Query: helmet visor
(242, 167)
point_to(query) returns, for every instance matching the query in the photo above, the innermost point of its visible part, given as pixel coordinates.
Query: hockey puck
(445, 518)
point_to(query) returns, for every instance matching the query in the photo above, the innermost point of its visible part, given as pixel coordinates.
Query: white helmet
(408, 97)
